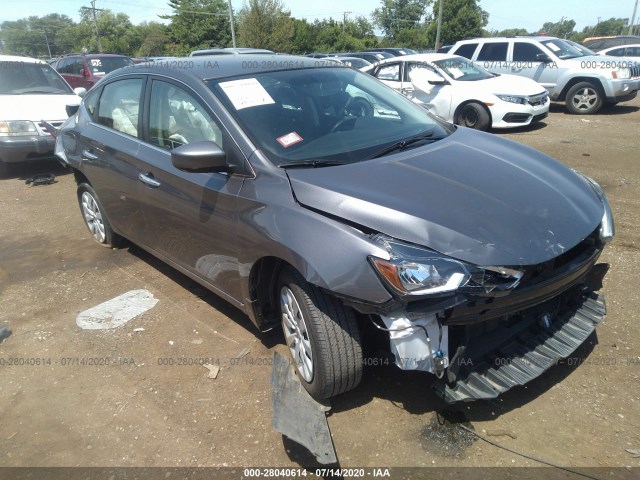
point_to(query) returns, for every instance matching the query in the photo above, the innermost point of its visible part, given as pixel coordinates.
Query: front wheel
(322, 336)
(94, 217)
(473, 115)
(584, 98)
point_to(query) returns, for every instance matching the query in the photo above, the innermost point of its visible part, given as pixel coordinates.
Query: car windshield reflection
(334, 114)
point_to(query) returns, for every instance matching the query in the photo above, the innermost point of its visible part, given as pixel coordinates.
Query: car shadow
(607, 109)
(24, 171)
(521, 130)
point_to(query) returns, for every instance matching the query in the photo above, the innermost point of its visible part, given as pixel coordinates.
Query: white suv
(30, 91)
(584, 82)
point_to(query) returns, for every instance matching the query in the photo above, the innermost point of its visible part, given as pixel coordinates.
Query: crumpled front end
(501, 330)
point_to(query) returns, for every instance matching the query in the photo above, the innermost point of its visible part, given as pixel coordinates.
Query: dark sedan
(311, 195)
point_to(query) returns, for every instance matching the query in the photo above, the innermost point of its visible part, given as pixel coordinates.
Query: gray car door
(108, 149)
(189, 218)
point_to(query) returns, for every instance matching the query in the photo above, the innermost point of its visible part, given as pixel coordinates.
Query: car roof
(620, 46)
(92, 55)
(17, 58)
(421, 57)
(229, 51)
(205, 68)
(539, 38)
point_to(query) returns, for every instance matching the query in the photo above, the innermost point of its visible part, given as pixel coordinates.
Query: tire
(473, 115)
(584, 98)
(95, 218)
(322, 336)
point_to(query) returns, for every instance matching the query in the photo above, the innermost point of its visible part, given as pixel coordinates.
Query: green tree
(37, 36)
(396, 15)
(460, 19)
(154, 39)
(511, 32)
(197, 24)
(266, 24)
(613, 26)
(562, 29)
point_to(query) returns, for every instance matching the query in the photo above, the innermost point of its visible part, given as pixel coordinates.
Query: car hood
(37, 107)
(506, 85)
(472, 196)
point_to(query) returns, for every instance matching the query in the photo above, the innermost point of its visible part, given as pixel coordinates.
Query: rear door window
(525, 52)
(119, 106)
(466, 50)
(494, 52)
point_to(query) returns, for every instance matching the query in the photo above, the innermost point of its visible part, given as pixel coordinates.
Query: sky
(529, 14)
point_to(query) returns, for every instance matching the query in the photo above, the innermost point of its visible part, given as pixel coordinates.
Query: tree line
(197, 24)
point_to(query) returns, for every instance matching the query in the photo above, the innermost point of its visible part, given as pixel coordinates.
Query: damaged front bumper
(483, 346)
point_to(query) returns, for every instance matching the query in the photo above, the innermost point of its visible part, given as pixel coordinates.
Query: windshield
(21, 78)
(329, 114)
(462, 69)
(563, 49)
(104, 65)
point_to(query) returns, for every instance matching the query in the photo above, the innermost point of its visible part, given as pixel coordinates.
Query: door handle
(148, 179)
(88, 155)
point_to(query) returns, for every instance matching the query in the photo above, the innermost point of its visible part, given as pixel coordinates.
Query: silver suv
(584, 82)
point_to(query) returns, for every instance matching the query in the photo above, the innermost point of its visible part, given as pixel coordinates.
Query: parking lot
(138, 395)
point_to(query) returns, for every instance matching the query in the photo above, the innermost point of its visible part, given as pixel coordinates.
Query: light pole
(233, 30)
(633, 18)
(439, 25)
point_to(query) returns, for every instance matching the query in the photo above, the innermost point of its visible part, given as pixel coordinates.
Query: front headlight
(621, 74)
(413, 270)
(512, 99)
(17, 128)
(607, 227)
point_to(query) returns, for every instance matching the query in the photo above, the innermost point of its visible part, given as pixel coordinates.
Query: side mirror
(543, 57)
(80, 91)
(199, 157)
(72, 109)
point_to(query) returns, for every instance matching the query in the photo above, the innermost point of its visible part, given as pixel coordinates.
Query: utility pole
(95, 21)
(439, 25)
(47, 40)
(344, 18)
(633, 18)
(233, 30)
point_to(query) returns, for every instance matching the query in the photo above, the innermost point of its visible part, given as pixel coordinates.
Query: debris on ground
(213, 370)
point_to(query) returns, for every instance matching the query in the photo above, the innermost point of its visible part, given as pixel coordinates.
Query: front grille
(516, 117)
(635, 71)
(538, 100)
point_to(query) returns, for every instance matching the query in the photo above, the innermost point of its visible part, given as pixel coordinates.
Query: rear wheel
(322, 336)
(584, 98)
(473, 115)
(94, 217)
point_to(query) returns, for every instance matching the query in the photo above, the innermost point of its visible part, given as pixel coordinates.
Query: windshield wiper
(407, 142)
(311, 164)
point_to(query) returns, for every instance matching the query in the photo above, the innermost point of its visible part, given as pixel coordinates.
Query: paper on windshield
(553, 47)
(246, 93)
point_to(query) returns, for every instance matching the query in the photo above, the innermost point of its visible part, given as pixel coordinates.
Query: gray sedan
(312, 196)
